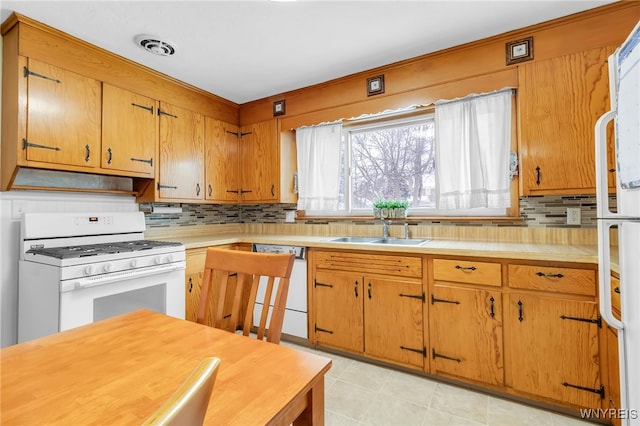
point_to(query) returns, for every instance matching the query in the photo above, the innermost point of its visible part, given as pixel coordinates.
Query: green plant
(380, 204)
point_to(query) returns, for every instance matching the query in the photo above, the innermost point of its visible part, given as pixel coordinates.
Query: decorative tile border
(536, 212)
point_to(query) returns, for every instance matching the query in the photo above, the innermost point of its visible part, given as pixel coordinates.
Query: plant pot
(377, 213)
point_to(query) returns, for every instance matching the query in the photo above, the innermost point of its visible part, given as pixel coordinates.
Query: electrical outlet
(573, 216)
(17, 208)
(290, 216)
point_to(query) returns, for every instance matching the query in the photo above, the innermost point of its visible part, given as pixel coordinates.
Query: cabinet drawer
(467, 271)
(402, 266)
(551, 278)
(615, 297)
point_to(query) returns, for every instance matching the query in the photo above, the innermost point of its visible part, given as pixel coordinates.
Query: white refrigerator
(624, 75)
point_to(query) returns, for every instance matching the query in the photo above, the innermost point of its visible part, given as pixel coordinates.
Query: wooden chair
(188, 404)
(250, 267)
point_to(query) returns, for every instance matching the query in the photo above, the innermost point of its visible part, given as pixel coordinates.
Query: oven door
(160, 289)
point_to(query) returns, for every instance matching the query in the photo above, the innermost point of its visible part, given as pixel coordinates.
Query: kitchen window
(395, 158)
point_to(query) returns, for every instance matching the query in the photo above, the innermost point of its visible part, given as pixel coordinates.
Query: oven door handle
(115, 277)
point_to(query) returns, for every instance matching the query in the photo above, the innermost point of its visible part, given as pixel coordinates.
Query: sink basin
(374, 240)
(400, 241)
(354, 240)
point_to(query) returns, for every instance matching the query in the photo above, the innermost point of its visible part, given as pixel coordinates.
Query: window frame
(417, 115)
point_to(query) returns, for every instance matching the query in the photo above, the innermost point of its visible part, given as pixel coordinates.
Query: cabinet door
(466, 333)
(221, 167)
(63, 116)
(554, 348)
(338, 310)
(259, 162)
(393, 321)
(181, 164)
(560, 100)
(192, 295)
(613, 399)
(129, 131)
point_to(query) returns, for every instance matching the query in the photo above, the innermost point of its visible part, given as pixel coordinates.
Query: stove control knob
(157, 260)
(88, 270)
(106, 267)
(170, 258)
(134, 263)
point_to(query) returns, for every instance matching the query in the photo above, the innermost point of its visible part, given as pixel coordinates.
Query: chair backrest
(249, 267)
(188, 404)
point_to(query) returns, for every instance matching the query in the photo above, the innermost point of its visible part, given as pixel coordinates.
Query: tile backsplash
(539, 211)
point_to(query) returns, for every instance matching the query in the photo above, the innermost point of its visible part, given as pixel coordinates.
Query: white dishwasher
(295, 316)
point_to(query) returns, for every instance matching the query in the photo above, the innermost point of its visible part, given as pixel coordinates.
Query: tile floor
(357, 393)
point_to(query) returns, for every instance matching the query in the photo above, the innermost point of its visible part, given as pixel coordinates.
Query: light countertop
(522, 251)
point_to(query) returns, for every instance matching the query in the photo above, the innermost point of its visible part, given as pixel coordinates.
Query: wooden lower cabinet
(338, 308)
(553, 348)
(466, 333)
(378, 316)
(613, 394)
(393, 321)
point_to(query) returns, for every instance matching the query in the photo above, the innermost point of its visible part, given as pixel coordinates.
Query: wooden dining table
(118, 371)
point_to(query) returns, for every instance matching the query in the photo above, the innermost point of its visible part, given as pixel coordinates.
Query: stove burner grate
(70, 252)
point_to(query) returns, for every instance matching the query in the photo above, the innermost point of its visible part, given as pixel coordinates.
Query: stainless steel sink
(374, 240)
(354, 240)
(400, 241)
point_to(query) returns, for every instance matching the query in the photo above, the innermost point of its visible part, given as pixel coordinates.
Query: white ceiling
(247, 50)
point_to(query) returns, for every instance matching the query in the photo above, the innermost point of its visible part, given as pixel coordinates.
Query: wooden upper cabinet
(222, 160)
(63, 117)
(129, 131)
(181, 162)
(560, 100)
(259, 162)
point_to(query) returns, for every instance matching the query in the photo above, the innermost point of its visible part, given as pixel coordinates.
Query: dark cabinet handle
(492, 313)
(617, 290)
(197, 189)
(537, 175)
(612, 170)
(160, 186)
(542, 274)
(88, 155)
(520, 318)
(466, 268)
(210, 190)
(369, 290)
(355, 288)
(273, 190)
(109, 156)
(190, 284)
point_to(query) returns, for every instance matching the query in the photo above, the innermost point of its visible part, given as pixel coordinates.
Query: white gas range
(75, 269)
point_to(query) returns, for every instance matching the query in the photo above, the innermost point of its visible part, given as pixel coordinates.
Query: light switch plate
(574, 216)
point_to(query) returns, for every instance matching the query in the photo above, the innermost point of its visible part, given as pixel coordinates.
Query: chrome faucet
(385, 229)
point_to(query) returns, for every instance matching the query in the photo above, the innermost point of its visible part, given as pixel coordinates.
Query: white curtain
(319, 166)
(473, 139)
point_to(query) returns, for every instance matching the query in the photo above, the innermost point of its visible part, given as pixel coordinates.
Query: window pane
(393, 163)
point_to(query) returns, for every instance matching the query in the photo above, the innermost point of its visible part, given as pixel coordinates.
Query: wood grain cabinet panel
(553, 348)
(63, 117)
(468, 271)
(374, 313)
(613, 395)
(129, 132)
(222, 161)
(338, 310)
(181, 163)
(259, 162)
(560, 101)
(393, 321)
(466, 333)
(553, 279)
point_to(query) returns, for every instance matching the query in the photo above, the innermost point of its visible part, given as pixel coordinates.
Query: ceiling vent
(155, 45)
